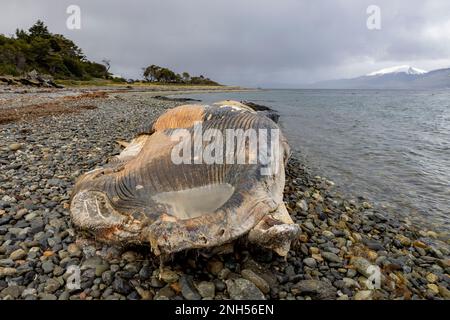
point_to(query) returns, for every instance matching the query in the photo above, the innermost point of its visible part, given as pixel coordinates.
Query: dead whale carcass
(198, 177)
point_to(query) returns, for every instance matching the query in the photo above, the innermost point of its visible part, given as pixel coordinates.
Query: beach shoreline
(41, 155)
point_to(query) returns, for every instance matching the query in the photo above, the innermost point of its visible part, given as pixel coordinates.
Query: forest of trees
(159, 74)
(38, 49)
(55, 55)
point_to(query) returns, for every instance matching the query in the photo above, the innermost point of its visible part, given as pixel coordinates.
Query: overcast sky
(276, 43)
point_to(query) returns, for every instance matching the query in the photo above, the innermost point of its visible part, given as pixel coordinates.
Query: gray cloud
(249, 42)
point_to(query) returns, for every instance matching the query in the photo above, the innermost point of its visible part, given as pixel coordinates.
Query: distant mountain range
(400, 77)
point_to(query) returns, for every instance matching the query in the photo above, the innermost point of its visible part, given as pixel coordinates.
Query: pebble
(215, 266)
(319, 289)
(169, 276)
(310, 262)
(405, 241)
(74, 250)
(206, 289)
(14, 146)
(331, 257)
(364, 295)
(7, 272)
(328, 234)
(303, 205)
(47, 296)
(13, 291)
(258, 281)
(188, 289)
(121, 286)
(434, 288)
(242, 289)
(432, 278)
(52, 285)
(361, 265)
(18, 254)
(47, 266)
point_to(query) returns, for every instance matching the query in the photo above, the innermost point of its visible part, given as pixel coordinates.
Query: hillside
(47, 53)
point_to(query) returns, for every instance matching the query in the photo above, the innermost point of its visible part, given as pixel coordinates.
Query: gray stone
(14, 146)
(12, 291)
(74, 250)
(364, 295)
(303, 205)
(310, 262)
(47, 266)
(7, 272)
(6, 263)
(320, 289)
(331, 257)
(18, 254)
(361, 265)
(52, 285)
(47, 296)
(256, 279)
(169, 276)
(206, 289)
(121, 286)
(242, 289)
(188, 289)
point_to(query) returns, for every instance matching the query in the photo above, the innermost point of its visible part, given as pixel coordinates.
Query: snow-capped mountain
(398, 69)
(400, 77)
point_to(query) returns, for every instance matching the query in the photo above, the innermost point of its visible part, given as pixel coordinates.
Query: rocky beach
(348, 249)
